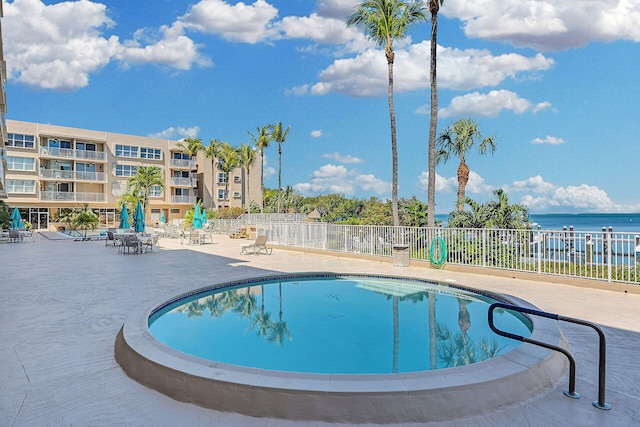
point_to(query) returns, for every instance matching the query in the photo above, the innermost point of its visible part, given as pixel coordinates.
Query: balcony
(68, 196)
(183, 164)
(184, 182)
(191, 200)
(72, 175)
(67, 153)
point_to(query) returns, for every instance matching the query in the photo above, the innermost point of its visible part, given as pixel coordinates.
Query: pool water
(338, 325)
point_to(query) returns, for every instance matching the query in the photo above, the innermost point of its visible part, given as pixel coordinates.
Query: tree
(478, 217)
(384, 21)
(504, 215)
(262, 139)
(434, 8)
(279, 135)
(247, 156)
(212, 151)
(457, 139)
(5, 215)
(228, 160)
(140, 185)
(85, 220)
(190, 146)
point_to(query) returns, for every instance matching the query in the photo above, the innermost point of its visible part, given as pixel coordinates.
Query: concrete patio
(63, 302)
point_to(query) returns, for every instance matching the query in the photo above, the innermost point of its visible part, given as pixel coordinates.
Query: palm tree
(85, 220)
(142, 182)
(434, 8)
(384, 21)
(262, 141)
(190, 146)
(228, 160)
(279, 135)
(457, 139)
(478, 217)
(280, 329)
(247, 157)
(504, 215)
(212, 151)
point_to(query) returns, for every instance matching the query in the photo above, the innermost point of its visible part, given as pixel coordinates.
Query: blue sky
(557, 83)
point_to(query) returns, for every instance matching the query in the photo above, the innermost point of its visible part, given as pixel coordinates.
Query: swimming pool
(337, 325)
(408, 394)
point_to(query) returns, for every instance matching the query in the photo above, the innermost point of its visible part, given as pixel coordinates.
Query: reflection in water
(435, 324)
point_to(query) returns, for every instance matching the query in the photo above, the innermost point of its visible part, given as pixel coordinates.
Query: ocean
(621, 223)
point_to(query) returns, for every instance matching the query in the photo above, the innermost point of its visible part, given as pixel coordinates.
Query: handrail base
(573, 395)
(604, 406)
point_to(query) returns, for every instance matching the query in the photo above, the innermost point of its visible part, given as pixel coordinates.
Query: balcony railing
(183, 164)
(64, 196)
(184, 182)
(68, 153)
(183, 199)
(72, 175)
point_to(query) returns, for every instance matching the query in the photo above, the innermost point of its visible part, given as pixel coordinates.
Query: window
(150, 153)
(25, 186)
(21, 141)
(180, 156)
(85, 167)
(222, 178)
(126, 151)
(175, 210)
(221, 194)
(21, 163)
(155, 191)
(236, 194)
(126, 170)
(236, 179)
(180, 174)
(57, 143)
(181, 191)
(85, 146)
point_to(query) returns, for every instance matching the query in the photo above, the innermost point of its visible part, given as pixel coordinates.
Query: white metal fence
(602, 255)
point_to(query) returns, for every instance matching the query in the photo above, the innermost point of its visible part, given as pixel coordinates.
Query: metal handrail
(600, 403)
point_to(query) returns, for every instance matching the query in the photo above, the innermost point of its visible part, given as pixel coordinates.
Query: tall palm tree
(143, 181)
(247, 157)
(457, 139)
(228, 160)
(434, 8)
(279, 135)
(212, 151)
(190, 146)
(262, 139)
(384, 21)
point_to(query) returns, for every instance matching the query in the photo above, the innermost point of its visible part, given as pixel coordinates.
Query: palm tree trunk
(248, 192)
(463, 178)
(262, 179)
(394, 146)
(279, 173)
(434, 6)
(433, 343)
(213, 182)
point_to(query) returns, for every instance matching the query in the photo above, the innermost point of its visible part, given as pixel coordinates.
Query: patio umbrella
(16, 220)
(162, 217)
(124, 217)
(197, 218)
(138, 219)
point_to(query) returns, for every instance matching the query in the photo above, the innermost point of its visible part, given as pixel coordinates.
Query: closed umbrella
(138, 219)
(124, 218)
(162, 217)
(16, 220)
(197, 218)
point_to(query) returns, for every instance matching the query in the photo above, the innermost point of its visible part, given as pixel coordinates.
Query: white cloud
(367, 74)
(317, 28)
(548, 140)
(541, 106)
(59, 46)
(336, 8)
(343, 158)
(316, 133)
(485, 105)
(269, 172)
(248, 23)
(177, 133)
(338, 179)
(545, 24)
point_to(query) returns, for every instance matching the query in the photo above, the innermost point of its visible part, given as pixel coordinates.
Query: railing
(183, 199)
(72, 175)
(68, 196)
(182, 163)
(68, 153)
(602, 353)
(614, 257)
(184, 182)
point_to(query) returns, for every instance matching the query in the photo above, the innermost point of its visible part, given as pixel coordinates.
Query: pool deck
(63, 302)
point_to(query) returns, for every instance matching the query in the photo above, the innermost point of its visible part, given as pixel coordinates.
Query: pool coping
(439, 395)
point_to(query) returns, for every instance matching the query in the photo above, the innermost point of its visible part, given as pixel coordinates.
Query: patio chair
(129, 243)
(150, 243)
(110, 238)
(14, 236)
(257, 247)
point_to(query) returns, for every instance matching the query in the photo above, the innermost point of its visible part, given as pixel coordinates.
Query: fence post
(540, 250)
(484, 247)
(610, 264)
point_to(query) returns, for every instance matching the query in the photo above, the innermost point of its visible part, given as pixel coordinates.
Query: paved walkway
(63, 302)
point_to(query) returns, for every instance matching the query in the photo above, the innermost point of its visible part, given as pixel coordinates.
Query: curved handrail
(600, 403)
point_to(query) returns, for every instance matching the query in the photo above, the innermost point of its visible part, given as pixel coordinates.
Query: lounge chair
(240, 234)
(257, 247)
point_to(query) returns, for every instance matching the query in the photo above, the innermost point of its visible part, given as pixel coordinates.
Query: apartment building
(51, 169)
(3, 112)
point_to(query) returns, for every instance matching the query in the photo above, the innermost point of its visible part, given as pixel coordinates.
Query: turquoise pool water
(337, 325)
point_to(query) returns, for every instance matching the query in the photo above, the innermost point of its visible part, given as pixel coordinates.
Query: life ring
(443, 251)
